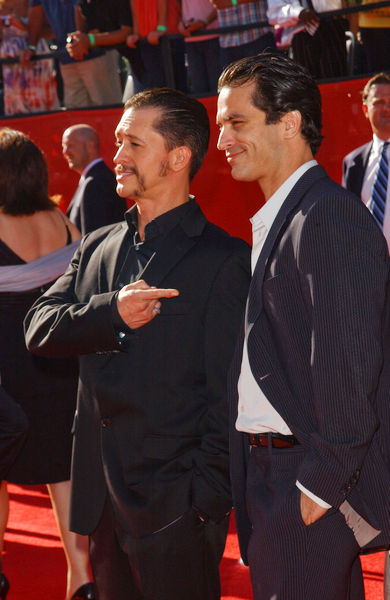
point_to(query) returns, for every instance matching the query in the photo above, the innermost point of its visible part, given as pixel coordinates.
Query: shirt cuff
(313, 496)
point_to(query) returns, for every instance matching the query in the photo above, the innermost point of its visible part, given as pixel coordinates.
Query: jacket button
(106, 422)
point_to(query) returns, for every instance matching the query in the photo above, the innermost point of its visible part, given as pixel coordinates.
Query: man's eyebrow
(122, 133)
(228, 118)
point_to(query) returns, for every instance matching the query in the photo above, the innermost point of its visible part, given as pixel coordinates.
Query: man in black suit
(95, 202)
(360, 167)
(150, 468)
(311, 373)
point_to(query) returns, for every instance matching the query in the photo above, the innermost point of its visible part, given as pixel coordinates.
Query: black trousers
(289, 560)
(376, 44)
(324, 54)
(179, 562)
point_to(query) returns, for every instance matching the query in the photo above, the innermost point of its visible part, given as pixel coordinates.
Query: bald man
(95, 202)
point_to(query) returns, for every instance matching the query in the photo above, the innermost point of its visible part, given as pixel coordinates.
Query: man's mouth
(231, 156)
(123, 171)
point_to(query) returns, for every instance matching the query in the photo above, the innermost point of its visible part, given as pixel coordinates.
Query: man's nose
(118, 155)
(224, 140)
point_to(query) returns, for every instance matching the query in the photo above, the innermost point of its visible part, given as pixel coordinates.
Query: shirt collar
(267, 213)
(162, 224)
(377, 144)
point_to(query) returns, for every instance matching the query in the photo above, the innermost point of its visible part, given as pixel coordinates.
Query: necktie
(379, 191)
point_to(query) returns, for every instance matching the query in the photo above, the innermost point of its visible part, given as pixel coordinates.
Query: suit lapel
(358, 169)
(175, 245)
(255, 302)
(108, 265)
(172, 249)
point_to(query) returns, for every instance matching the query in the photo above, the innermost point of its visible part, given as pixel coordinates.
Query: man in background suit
(310, 378)
(150, 475)
(360, 167)
(95, 202)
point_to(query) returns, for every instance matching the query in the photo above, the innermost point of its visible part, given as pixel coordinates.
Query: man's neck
(288, 166)
(149, 209)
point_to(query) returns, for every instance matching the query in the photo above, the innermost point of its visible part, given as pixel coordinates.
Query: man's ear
(365, 110)
(292, 122)
(179, 158)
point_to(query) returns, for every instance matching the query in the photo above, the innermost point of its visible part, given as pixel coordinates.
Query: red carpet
(35, 564)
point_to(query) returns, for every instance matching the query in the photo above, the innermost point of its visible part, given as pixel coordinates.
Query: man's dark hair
(23, 175)
(183, 121)
(281, 86)
(377, 79)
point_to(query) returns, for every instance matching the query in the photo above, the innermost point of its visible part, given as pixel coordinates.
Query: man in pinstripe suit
(310, 380)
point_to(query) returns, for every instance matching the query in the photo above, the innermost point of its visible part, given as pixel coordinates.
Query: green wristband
(234, 2)
(92, 40)
(162, 28)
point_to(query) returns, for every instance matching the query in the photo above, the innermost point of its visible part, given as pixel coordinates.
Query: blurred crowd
(103, 52)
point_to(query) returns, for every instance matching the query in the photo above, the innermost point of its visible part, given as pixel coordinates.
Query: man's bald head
(80, 146)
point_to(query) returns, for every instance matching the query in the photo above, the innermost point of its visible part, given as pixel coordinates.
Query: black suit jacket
(95, 202)
(152, 416)
(319, 349)
(354, 168)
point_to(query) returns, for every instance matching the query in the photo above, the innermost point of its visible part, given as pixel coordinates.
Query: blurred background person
(151, 20)
(36, 244)
(238, 44)
(102, 23)
(88, 81)
(318, 45)
(202, 51)
(95, 202)
(374, 33)
(26, 89)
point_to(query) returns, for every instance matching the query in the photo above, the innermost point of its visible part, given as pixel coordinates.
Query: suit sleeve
(226, 305)
(343, 268)
(59, 325)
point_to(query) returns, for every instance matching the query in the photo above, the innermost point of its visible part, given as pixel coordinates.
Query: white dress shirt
(255, 413)
(369, 179)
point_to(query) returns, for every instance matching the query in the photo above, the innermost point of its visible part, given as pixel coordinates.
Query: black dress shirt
(135, 254)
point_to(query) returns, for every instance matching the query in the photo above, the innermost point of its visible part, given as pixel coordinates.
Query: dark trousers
(324, 54)
(289, 560)
(203, 65)
(376, 44)
(179, 562)
(153, 65)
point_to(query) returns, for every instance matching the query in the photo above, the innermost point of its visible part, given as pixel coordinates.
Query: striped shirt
(243, 14)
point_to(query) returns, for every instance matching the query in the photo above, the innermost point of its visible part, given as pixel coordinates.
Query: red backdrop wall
(225, 201)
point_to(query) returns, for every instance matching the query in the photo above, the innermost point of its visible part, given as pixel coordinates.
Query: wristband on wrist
(32, 48)
(92, 41)
(162, 28)
(234, 2)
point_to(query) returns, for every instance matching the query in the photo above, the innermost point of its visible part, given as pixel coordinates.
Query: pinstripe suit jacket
(319, 349)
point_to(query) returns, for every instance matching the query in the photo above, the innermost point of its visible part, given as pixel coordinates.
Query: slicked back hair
(281, 86)
(183, 121)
